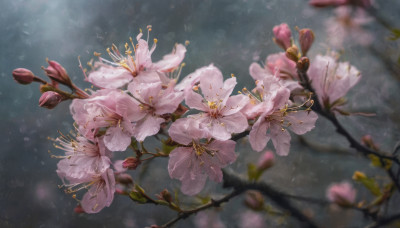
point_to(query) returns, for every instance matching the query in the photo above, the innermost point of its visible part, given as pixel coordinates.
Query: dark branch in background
(302, 67)
(240, 186)
(385, 221)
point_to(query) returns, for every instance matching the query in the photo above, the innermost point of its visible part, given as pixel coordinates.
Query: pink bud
(124, 179)
(254, 200)
(57, 73)
(50, 99)
(283, 36)
(306, 39)
(342, 193)
(79, 210)
(23, 76)
(325, 3)
(131, 163)
(266, 161)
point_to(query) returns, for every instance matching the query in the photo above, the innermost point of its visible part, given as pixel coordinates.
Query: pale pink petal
(171, 61)
(227, 89)
(145, 92)
(185, 130)
(216, 128)
(258, 135)
(195, 101)
(280, 139)
(82, 167)
(234, 104)
(212, 85)
(129, 108)
(301, 121)
(224, 155)
(234, 123)
(100, 194)
(257, 72)
(110, 77)
(148, 126)
(142, 55)
(188, 82)
(168, 103)
(281, 98)
(116, 139)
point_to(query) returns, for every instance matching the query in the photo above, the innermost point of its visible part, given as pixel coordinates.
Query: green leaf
(253, 172)
(371, 185)
(395, 34)
(137, 197)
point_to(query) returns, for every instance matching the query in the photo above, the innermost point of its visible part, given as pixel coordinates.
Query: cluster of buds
(283, 38)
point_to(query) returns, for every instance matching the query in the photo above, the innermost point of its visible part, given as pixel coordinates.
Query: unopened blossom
(50, 99)
(331, 79)
(153, 101)
(347, 27)
(283, 36)
(274, 117)
(306, 39)
(112, 111)
(266, 160)
(342, 193)
(221, 114)
(136, 63)
(197, 158)
(57, 73)
(83, 158)
(23, 76)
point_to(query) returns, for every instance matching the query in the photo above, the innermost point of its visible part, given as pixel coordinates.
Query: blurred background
(229, 33)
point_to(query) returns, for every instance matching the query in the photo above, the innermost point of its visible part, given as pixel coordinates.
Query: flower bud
(50, 99)
(266, 161)
(306, 39)
(23, 76)
(57, 73)
(79, 210)
(254, 200)
(292, 53)
(342, 194)
(124, 179)
(358, 176)
(283, 36)
(131, 163)
(165, 195)
(303, 64)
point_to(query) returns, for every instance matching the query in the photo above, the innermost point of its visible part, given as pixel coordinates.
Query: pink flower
(347, 27)
(109, 110)
(23, 76)
(197, 158)
(100, 193)
(189, 81)
(342, 193)
(324, 3)
(331, 79)
(266, 161)
(136, 63)
(283, 36)
(154, 101)
(83, 158)
(50, 99)
(251, 219)
(221, 114)
(275, 116)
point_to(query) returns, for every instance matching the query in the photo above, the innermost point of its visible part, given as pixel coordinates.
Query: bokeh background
(229, 33)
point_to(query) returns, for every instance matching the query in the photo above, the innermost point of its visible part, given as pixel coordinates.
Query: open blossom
(341, 193)
(275, 117)
(136, 63)
(198, 157)
(110, 110)
(153, 101)
(221, 114)
(332, 79)
(347, 27)
(83, 158)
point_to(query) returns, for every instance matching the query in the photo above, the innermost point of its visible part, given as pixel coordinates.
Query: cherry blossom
(332, 79)
(197, 158)
(153, 101)
(273, 114)
(83, 158)
(341, 193)
(221, 114)
(110, 110)
(283, 36)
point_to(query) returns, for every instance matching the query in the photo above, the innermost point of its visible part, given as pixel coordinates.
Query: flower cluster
(137, 98)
